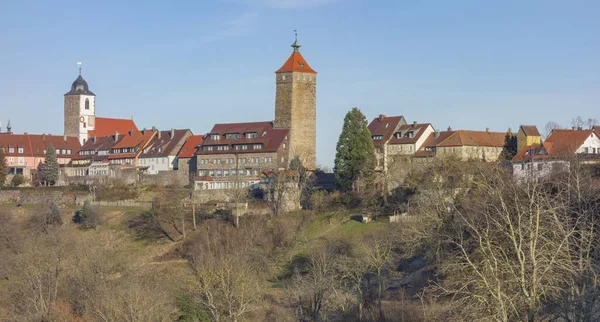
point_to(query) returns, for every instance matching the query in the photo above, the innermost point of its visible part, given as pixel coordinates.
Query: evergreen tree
(355, 156)
(50, 170)
(3, 167)
(53, 218)
(87, 217)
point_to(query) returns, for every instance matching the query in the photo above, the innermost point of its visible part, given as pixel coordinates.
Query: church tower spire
(296, 107)
(80, 109)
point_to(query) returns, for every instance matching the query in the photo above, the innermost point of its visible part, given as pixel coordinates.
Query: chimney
(381, 117)
(436, 134)
(449, 129)
(510, 131)
(44, 136)
(65, 138)
(94, 139)
(144, 131)
(116, 136)
(158, 134)
(130, 132)
(172, 133)
(487, 129)
(574, 128)
(414, 123)
(579, 128)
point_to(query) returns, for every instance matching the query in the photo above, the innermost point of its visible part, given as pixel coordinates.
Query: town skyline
(503, 68)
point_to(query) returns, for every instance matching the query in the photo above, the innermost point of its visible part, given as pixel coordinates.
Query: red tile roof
(36, 144)
(417, 130)
(135, 139)
(296, 63)
(563, 143)
(428, 147)
(107, 126)
(526, 152)
(95, 144)
(168, 144)
(530, 130)
(475, 138)
(384, 126)
(270, 138)
(191, 146)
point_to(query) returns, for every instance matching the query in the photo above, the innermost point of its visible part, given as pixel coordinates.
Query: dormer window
(410, 134)
(387, 125)
(265, 134)
(377, 137)
(233, 136)
(252, 135)
(215, 137)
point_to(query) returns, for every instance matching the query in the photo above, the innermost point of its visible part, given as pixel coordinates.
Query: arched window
(87, 103)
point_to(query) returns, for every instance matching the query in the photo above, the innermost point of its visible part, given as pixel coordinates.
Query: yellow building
(528, 135)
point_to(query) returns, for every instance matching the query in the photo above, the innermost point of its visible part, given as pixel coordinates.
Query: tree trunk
(194, 213)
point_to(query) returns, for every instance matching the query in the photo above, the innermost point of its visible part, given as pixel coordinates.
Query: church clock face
(81, 119)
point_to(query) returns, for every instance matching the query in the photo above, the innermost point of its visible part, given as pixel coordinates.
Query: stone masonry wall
(71, 117)
(295, 109)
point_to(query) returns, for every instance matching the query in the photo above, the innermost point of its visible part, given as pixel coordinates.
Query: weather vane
(296, 34)
(79, 65)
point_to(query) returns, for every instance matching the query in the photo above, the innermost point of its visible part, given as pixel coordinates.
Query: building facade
(161, 153)
(79, 110)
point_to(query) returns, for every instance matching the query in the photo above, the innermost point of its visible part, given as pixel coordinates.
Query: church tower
(296, 106)
(80, 109)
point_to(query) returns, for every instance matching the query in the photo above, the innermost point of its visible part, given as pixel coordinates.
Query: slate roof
(530, 130)
(34, 144)
(401, 135)
(379, 126)
(108, 126)
(269, 137)
(296, 63)
(80, 87)
(190, 147)
(166, 144)
(95, 144)
(474, 138)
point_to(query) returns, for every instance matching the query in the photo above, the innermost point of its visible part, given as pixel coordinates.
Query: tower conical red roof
(296, 63)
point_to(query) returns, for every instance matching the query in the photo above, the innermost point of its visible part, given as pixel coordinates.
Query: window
(215, 137)
(202, 172)
(233, 172)
(377, 137)
(248, 172)
(219, 173)
(21, 160)
(268, 159)
(284, 145)
(252, 135)
(282, 159)
(20, 150)
(68, 151)
(282, 77)
(12, 150)
(233, 136)
(211, 173)
(87, 103)
(84, 125)
(257, 147)
(387, 125)
(256, 172)
(226, 172)
(11, 159)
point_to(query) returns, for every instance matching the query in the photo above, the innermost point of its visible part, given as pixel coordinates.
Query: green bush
(17, 180)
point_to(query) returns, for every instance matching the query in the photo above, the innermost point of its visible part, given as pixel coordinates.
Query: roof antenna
(296, 45)
(79, 65)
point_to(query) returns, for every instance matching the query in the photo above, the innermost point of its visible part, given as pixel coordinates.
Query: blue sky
(190, 64)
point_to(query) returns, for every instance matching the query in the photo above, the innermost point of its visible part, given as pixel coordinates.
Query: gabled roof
(401, 137)
(108, 126)
(475, 138)
(384, 126)
(527, 152)
(134, 139)
(563, 143)
(270, 138)
(434, 139)
(296, 63)
(530, 130)
(166, 143)
(95, 144)
(34, 145)
(191, 146)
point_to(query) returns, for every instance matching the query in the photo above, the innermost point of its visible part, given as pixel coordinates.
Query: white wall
(592, 143)
(87, 115)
